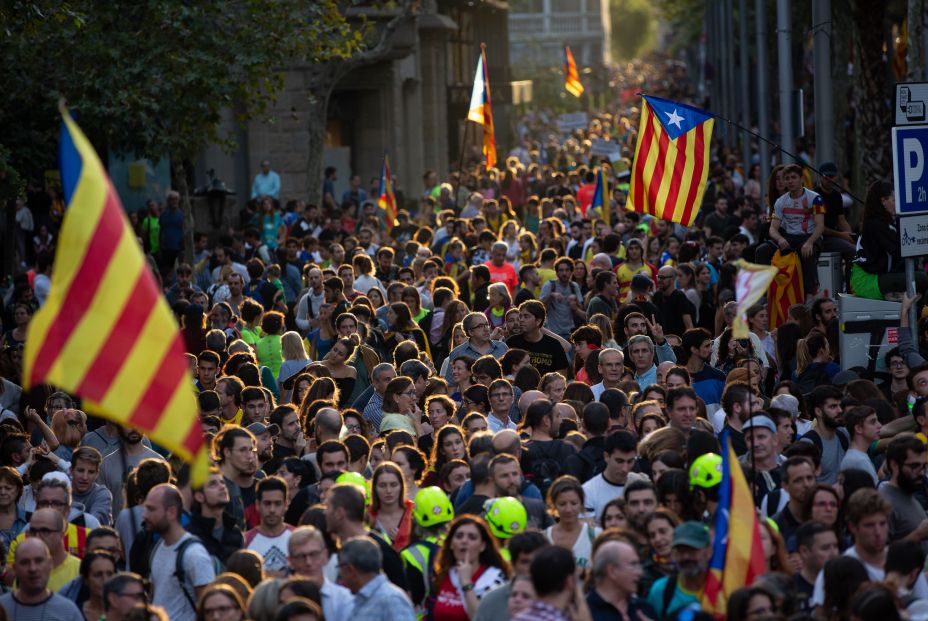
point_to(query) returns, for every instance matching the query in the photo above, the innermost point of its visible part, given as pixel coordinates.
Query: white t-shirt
(876, 574)
(272, 549)
(199, 570)
(598, 492)
(583, 547)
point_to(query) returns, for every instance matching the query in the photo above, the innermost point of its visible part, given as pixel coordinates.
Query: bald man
(528, 398)
(616, 572)
(48, 525)
(161, 513)
(33, 600)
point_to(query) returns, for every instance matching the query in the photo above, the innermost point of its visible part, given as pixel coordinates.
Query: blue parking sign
(910, 169)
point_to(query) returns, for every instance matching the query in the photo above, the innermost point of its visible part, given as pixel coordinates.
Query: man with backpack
(828, 435)
(180, 565)
(544, 458)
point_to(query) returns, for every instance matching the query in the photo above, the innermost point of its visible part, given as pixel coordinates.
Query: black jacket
(232, 538)
(588, 461)
(879, 251)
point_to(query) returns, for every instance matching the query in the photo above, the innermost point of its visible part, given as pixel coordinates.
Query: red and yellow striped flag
(480, 109)
(671, 160)
(571, 76)
(786, 289)
(387, 200)
(105, 332)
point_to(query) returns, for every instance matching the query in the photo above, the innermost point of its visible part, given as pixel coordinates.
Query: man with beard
(905, 459)
(208, 520)
(229, 390)
(828, 436)
(270, 538)
(264, 435)
(640, 502)
(691, 553)
(334, 289)
(235, 451)
(32, 599)
(798, 481)
(306, 314)
(290, 442)
(507, 480)
(116, 466)
(177, 582)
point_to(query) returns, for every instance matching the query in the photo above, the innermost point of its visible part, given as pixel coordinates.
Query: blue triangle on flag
(677, 118)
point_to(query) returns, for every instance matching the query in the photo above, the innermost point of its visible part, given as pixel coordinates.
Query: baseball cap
(691, 534)
(759, 422)
(828, 169)
(260, 428)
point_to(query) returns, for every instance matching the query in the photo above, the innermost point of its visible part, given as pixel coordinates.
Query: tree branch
(407, 13)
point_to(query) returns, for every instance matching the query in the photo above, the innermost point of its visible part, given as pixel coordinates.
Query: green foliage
(153, 77)
(685, 18)
(634, 28)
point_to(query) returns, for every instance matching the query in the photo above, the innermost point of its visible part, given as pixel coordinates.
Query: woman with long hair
(467, 567)
(294, 356)
(774, 548)
(96, 568)
(528, 248)
(338, 362)
(220, 601)
(461, 376)
(659, 529)
(438, 411)
(776, 187)
(391, 511)
(400, 408)
(759, 322)
(565, 501)
(411, 462)
(454, 314)
(813, 362)
(69, 427)
(400, 327)
(843, 576)
(301, 384)
(823, 505)
(879, 268)
(751, 604)
(449, 445)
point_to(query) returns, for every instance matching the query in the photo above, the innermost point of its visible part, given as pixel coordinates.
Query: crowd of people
(497, 407)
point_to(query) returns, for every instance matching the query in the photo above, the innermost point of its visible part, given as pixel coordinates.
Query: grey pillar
(824, 108)
(728, 16)
(763, 120)
(745, 84)
(785, 72)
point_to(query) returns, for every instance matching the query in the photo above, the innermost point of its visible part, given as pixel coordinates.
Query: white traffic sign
(913, 235)
(911, 103)
(910, 169)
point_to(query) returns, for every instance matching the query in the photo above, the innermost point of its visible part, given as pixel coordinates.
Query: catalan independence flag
(787, 287)
(105, 332)
(737, 553)
(671, 160)
(751, 284)
(481, 111)
(386, 198)
(601, 196)
(571, 76)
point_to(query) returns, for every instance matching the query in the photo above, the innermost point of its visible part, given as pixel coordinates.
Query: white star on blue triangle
(676, 118)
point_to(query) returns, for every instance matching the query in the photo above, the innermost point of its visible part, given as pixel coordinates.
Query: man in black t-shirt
(837, 236)
(816, 544)
(677, 312)
(545, 351)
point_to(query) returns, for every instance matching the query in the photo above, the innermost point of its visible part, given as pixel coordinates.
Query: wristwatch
(467, 588)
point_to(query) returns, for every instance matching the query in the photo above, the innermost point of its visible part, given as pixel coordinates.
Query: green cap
(691, 534)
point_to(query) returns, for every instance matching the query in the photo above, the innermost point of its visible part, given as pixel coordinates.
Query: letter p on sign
(913, 165)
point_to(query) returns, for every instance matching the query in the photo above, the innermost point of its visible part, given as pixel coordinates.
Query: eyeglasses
(308, 556)
(897, 364)
(50, 504)
(353, 427)
(409, 393)
(43, 531)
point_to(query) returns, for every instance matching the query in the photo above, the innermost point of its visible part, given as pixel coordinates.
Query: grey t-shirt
(855, 458)
(55, 607)
(560, 319)
(832, 454)
(907, 513)
(112, 475)
(199, 569)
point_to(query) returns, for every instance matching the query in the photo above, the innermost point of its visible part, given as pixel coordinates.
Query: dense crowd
(498, 407)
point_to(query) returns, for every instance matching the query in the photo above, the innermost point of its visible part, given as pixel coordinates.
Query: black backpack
(544, 464)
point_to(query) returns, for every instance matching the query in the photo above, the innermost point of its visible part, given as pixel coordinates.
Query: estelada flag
(571, 76)
(386, 199)
(481, 110)
(105, 332)
(737, 552)
(787, 287)
(668, 177)
(751, 284)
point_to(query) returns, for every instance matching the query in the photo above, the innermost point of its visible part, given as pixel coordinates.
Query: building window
(565, 6)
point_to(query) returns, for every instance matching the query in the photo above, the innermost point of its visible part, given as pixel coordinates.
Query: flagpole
(773, 144)
(457, 189)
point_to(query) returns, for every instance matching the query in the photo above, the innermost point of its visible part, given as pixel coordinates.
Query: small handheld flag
(481, 110)
(737, 552)
(601, 196)
(105, 332)
(751, 284)
(671, 160)
(386, 199)
(571, 76)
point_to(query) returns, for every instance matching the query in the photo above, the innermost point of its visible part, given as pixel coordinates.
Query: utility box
(867, 329)
(830, 275)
